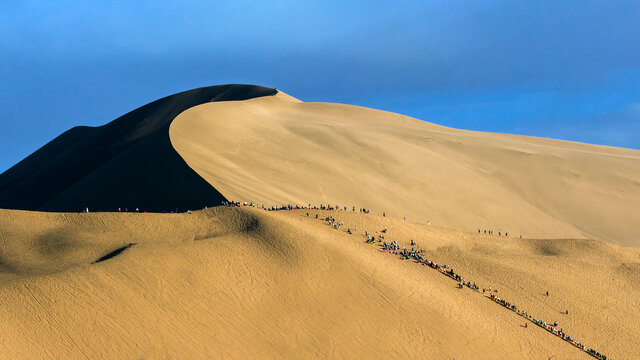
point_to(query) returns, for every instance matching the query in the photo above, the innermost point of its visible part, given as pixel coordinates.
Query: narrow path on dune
(416, 256)
(419, 259)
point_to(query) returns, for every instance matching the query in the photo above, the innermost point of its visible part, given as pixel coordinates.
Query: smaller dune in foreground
(247, 283)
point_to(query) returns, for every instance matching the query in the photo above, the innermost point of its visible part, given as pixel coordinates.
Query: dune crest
(127, 163)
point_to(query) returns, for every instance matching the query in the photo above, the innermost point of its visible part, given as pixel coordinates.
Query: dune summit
(242, 142)
(128, 163)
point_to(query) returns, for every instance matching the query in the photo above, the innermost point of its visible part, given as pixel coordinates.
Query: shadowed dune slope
(277, 149)
(249, 284)
(128, 163)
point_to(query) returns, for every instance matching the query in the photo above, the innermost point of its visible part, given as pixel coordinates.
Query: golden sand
(276, 150)
(247, 283)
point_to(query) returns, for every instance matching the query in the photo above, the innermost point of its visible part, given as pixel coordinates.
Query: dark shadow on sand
(127, 163)
(115, 252)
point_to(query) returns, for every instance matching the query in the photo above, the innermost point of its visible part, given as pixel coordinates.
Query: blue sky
(559, 69)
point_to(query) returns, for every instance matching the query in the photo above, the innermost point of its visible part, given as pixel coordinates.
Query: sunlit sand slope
(276, 150)
(245, 283)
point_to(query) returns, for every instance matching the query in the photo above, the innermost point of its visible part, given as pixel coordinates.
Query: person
(547, 293)
(525, 325)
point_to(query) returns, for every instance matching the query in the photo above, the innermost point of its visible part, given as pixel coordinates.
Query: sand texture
(246, 283)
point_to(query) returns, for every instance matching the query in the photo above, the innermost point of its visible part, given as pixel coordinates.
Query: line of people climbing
(418, 255)
(549, 327)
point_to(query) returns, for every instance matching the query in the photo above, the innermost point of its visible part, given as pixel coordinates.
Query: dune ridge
(127, 163)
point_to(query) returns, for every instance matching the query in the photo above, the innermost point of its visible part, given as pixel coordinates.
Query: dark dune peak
(127, 163)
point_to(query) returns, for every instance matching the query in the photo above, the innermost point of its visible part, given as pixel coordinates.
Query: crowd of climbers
(552, 328)
(417, 254)
(293, 207)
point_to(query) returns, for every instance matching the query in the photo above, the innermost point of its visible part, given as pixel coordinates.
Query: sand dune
(246, 283)
(128, 163)
(243, 282)
(196, 148)
(276, 150)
